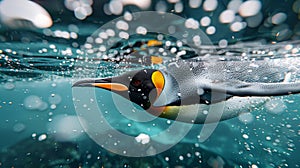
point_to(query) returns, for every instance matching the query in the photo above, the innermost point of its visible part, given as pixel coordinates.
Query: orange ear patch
(158, 81)
(156, 60)
(152, 43)
(111, 86)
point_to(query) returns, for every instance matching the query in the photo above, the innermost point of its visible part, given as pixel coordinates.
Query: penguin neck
(169, 112)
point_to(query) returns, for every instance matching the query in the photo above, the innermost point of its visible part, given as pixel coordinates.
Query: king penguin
(192, 88)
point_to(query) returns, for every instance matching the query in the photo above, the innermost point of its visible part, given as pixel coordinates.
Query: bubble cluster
(116, 6)
(275, 106)
(60, 34)
(65, 128)
(81, 8)
(34, 102)
(246, 117)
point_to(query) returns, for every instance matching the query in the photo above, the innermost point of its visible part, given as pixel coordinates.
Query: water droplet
(245, 136)
(53, 106)
(42, 137)
(200, 91)
(205, 112)
(43, 106)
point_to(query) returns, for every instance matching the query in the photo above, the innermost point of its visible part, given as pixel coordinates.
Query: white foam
(143, 138)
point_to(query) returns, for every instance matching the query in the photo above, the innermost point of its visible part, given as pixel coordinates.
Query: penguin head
(142, 87)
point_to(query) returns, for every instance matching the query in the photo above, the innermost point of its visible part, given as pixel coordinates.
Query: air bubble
(141, 30)
(127, 16)
(245, 136)
(32, 102)
(250, 8)
(115, 7)
(43, 106)
(195, 3)
(205, 21)
(200, 91)
(223, 43)
(122, 25)
(161, 7)
(210, 5)
(276, 106)
(279, 18)
(54, 99)
(236, 26)
(178, 7)
(268, 138)
(42, 137)
(19, 127)
(246, 117)
(227, 16)
(211, 30)
(9, 86)
(53, 106)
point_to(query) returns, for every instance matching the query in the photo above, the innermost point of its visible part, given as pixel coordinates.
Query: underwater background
(45, 46)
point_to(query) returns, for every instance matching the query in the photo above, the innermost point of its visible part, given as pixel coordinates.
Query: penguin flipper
(254, 89)
(213, 97)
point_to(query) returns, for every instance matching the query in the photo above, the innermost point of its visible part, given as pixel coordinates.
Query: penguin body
(200, 92)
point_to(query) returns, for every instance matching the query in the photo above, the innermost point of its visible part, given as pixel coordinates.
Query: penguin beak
(106, 83)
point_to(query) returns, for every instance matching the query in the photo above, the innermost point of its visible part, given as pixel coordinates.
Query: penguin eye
(136, 82)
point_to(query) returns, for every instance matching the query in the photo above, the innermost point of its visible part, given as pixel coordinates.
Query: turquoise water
(40, 126)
